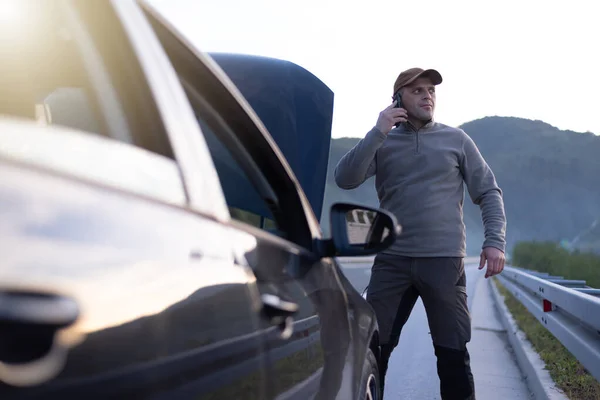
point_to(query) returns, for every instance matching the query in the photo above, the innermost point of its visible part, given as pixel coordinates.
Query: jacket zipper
(417, 134)
(417, 143)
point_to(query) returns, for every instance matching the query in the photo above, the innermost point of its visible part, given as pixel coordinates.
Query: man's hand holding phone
(389, 117)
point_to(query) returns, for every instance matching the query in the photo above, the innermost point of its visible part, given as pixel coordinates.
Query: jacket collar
(411, 128)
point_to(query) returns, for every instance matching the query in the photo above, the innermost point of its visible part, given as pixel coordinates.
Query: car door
(305, 311)
(116, 279)
(305, 317)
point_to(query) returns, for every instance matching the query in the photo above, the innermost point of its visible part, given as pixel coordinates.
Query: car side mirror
(358, 230)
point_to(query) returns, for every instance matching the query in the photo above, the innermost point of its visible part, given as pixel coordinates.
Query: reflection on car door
(293, 345)
(163, 308)
(310, 360)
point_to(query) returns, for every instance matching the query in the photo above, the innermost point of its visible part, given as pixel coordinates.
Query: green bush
(552, 258)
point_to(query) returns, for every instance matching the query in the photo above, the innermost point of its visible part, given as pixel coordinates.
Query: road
(412, 372)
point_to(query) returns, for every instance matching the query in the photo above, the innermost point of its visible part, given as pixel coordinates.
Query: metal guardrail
(569, 309)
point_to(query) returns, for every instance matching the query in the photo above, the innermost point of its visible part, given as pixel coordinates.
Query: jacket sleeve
(485, 192)
(360, 163)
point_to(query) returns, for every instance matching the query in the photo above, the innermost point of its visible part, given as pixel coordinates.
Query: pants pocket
(463, 317)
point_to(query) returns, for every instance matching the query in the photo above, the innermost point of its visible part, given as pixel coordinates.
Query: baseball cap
(411, 74)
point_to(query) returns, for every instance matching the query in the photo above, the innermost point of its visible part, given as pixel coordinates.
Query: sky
(529, 59)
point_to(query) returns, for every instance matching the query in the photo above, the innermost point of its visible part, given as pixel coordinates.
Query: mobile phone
(398, 99)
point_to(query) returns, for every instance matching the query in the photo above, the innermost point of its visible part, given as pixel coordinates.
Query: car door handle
(279, 312)
(30, 353)
(39, 309)
(29, 321)
(275, 306)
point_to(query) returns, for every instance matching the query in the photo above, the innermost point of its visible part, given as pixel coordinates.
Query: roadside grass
(568, 373)
(552, 258)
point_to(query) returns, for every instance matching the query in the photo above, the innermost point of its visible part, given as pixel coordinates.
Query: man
(420, 168)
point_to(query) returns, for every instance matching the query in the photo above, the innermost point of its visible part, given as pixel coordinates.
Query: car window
(70, 107)
(71, 66)
(249, 197)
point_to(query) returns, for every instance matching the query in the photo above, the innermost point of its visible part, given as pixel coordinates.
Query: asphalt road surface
(412, 372)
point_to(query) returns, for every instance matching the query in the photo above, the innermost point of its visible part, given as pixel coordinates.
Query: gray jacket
(419, 177)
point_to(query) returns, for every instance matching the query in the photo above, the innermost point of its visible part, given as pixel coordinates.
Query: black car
(155, 241)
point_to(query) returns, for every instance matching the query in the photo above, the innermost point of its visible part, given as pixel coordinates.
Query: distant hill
(550, 179)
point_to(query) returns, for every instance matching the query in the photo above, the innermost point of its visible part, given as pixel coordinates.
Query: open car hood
(297, 109)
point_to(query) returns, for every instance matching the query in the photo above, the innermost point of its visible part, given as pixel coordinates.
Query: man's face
(419, 99)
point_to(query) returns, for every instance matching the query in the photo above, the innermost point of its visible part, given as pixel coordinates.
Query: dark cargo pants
(395, 285)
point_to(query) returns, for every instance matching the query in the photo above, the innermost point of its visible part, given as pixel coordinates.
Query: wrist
(376, 132)
(380, 130)
(493, 246)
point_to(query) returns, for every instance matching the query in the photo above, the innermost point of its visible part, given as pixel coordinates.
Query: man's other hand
(390, 117)
(495, 261)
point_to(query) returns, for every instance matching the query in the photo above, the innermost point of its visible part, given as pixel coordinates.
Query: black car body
(155, 241)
